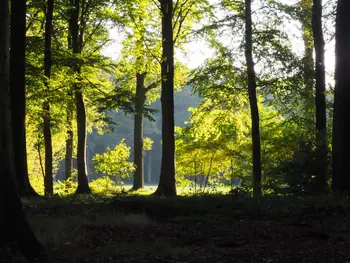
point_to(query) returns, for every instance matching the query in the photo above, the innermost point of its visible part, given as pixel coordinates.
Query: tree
(167, 185)
(114, 163)
(253, 100)
(17, 93)
(141, 91)
(70, 103)
(142, 49)
(43, 91)
(341, 127)
(13, 225)
(215, 145)
(306, 16)
(138, 132)
(320, 98)
(93, 79)
(48, 181)
(278, 71)
(77, 31)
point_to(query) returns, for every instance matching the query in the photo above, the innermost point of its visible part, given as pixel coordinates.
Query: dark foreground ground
(193, 229)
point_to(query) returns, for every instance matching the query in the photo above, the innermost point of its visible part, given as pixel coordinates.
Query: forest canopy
(95, 68)
(235, 100)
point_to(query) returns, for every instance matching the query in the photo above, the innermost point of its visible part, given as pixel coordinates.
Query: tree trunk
(138, 132)
(17, 93)
(48, 180)
(14, 227)
(253, 100)
(341, 125)
(149, 170)
(167, 186)
(309, 72)
(69, 140)
(320, 101)
(83, 184)
(69, 144)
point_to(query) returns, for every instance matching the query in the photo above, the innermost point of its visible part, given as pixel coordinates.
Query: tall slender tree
(77, 31)
(166, 184)
(253, 99)
(341, 125)
(140, 98)
(46, 105)
(69, 139)
(143, 73)
(320, 98)
(13, 224)
(138, 132)
(70, 104)
(306, 16)
(145, 50)
(18, 100)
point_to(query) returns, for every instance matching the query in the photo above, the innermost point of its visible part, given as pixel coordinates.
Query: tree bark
(14, 227)
(70, 104)
(341, 125)
(48, 180)
(320, 99)
(256, 151)
(138, 132)
(83, 184)
(69, 144)
(149, 166)
(17, 93)
(167, 186)
(77, 37)
(308, 60)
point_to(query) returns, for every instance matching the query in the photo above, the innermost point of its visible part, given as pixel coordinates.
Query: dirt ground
(203, 229)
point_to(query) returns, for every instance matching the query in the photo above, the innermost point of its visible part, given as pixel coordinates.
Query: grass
(110, 189)
(106, 187)
(149, 189)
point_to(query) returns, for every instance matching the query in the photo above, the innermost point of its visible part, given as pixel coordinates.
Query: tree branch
(180, 24)
(153, 85)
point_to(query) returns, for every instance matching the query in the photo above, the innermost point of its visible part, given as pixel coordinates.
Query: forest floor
(193, 229)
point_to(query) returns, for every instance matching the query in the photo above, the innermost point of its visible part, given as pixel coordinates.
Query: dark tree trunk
(253, 100)
(308, 60)
(83, 184)
(341, 125)
(48, 180)
(149, 167)
(138, 132)
(69, 148)
(18, 101)
(167, 186)
(320, 102)
(14, 227)
(70, 104)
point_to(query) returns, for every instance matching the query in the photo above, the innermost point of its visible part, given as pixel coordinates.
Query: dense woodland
(263, 115)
